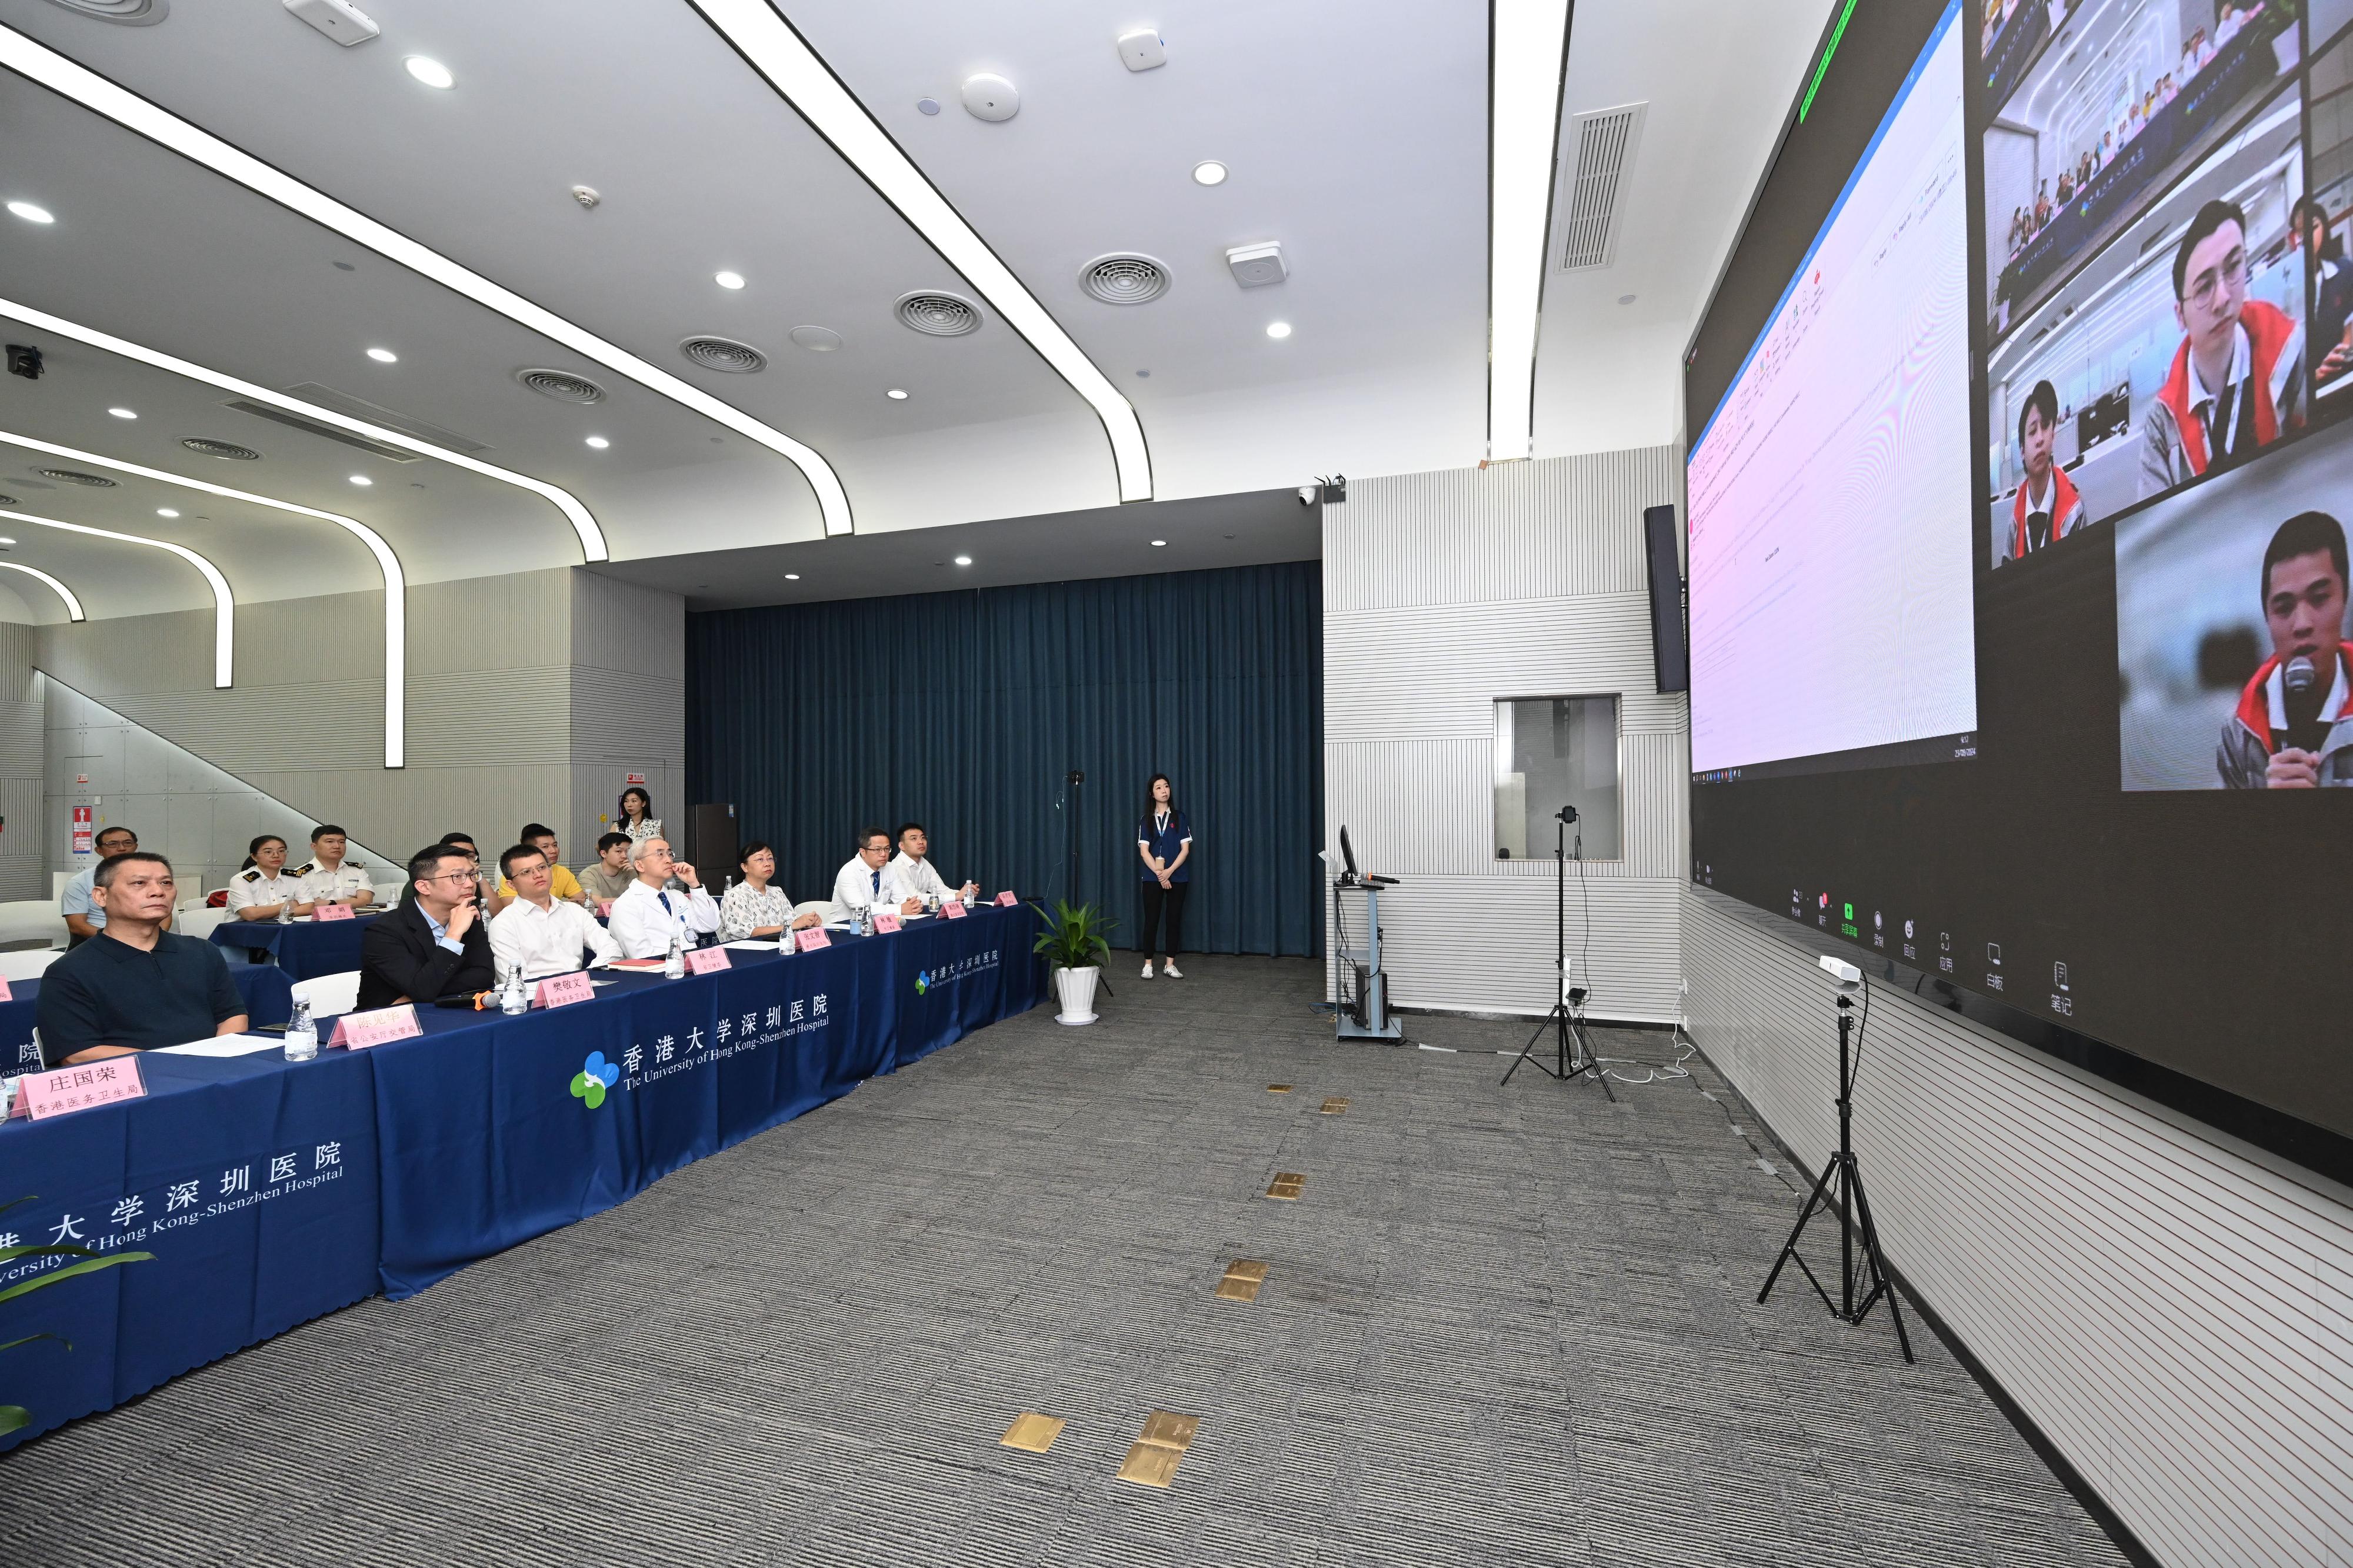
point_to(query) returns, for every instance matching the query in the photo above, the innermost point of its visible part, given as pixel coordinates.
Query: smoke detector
(1257, 266)
(1124, 279)
(345, 23)
(990, 97)
(938, 315)
(129, 13)
(562, 385)
(1143, 49)
(76, 477)
(206, 447)
(724, 354)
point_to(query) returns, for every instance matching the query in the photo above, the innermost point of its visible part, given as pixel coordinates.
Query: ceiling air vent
(1124, 279)
(724, 354)
(129, 13)
(562, 385)
(1597, 157)
(76, 477)
(938, 315)
(10, 500)
(319, 427)
(206, 447)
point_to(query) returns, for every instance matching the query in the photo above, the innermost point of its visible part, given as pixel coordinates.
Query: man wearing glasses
(2237, 381)
(434, 946)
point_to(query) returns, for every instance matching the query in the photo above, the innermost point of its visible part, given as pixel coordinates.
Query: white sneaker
(1168, 967)
(1147, 969)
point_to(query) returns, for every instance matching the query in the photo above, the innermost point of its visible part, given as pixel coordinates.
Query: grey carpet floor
(1506, 1326)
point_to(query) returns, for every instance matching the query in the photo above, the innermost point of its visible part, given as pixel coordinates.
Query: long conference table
(271, 1191)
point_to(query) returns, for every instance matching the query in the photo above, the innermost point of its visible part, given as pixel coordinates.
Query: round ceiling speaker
(817, 340)
(129, 13)
(938, 315)
(1124, 279)
(76, 477)
(562, 385)
(724, 354)
(228, 450)
(990, 97)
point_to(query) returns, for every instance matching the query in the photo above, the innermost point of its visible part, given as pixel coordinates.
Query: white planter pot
(1076, 987)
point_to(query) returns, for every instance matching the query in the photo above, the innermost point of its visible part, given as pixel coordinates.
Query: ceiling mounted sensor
(989, 96)
(1143, 50)
(76, 477)
(228, 451)
(1593, 184)
(562, 385)
(129, 13)
(724, 354)
(345, 24)
(1257, 266)
(1124, 279)
(817, 340)
(938, 315)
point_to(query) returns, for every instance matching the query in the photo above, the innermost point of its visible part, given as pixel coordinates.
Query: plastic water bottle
(674, 964)
(866, 920)
(286, 911)
(513, 997)
(301, 1034)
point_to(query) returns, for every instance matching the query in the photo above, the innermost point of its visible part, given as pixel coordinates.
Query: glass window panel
(1552, 752)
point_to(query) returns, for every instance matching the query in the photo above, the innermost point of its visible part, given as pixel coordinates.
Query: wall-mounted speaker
(1670, 640)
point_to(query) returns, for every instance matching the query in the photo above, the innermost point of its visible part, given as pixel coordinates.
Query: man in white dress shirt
(539, 932)
(327, 879)
(861, 884)
(913, 877)
(646, 918)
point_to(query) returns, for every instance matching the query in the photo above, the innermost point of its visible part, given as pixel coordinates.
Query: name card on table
(953, 909)
(809, 939)
(885, 924)
(604, 908)
(1008, 898)
(40, 1094)
(5, 996)
(332, 912)
(562, 990)
(706, 960)
(357, 1031)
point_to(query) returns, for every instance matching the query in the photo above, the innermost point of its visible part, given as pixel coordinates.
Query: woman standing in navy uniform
(1164, 839)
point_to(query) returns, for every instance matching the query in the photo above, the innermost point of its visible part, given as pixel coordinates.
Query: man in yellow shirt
(542, 838)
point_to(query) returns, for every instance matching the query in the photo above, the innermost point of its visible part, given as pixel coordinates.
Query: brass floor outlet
(1031, 1432)
(1286, 1186)
(1152, 1461)
(1244, 1276)
(1278, 1089)
(1335, 1107)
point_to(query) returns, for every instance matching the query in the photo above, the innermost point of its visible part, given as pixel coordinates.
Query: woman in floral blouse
(755, 907)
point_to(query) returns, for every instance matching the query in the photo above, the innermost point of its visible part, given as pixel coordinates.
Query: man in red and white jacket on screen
(2048, 509)
(2237, 381)
(2293, 726)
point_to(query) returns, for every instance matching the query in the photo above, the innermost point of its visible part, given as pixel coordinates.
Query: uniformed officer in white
(264, 887)
(860, 884)
(648, 916)
(909, 875)
(327, 878)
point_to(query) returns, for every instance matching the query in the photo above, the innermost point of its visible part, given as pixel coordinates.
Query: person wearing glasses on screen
(2293, 725)
(2048, 509)
(2237, 381)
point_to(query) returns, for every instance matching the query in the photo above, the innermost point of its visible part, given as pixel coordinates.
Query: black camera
(24, 360)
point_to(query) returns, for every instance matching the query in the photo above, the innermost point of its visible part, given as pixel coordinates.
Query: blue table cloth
(303, 949)
(272, 1192)
(268, 999)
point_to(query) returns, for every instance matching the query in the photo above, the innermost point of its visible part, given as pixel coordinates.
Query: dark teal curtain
(965, 712)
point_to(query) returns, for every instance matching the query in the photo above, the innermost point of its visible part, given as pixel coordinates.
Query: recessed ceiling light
(1209, 172)
(1159, 544)
(384, 356)
(792, 576)
(8, 541)
(123, 413)
(896, 395)
(728, 279)
(30, 213)
(165, 511)
(1278, 328)
(362, 479)
(964, 560)
(1625, 299)
(598, 442)
(431, 72)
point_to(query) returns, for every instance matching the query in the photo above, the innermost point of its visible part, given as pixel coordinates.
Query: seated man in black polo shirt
(134, 985)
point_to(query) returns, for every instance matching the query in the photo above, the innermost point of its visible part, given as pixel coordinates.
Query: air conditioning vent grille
(724, 354)
(76, 477)
(938, 315)
(1594, 179)
(131, 13)
(562, 385)
(205, 446)
(1124, 279)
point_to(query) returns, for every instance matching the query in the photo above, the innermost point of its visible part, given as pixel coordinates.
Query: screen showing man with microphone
(2291, 729)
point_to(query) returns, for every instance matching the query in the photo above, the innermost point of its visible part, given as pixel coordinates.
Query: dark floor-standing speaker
(1669, 643)
(711, 844)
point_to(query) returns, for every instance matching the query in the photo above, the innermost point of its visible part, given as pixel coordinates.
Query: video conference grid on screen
(2020, 646)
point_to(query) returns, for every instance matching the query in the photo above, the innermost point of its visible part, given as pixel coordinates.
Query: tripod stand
(1845, 1173)
(1567, 1019)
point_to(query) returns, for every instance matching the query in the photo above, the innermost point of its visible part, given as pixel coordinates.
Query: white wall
(2175, 1316)
(1442, 593)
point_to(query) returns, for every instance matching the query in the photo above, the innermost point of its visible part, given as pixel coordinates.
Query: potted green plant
(1075, 948)
(13, 1417)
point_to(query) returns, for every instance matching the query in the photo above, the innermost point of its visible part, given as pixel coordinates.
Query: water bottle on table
(302, 1033)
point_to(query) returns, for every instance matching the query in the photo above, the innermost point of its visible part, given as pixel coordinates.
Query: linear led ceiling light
(794, 70)
(395, 582)
(223, 605)
(592, 537)
(73, 606)
(1530, 45)
(128, 109)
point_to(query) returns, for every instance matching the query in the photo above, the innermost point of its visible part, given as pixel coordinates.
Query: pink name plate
(331, 913)
(562, 990)
(885, 924)
(706, 960)
(953, 909)
(3, 992)
(809, 939)
(1006, 898)
(360, 1030)
(40, 1094)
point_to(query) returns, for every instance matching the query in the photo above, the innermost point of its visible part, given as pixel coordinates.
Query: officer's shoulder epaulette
(304, 869)
(252, 875)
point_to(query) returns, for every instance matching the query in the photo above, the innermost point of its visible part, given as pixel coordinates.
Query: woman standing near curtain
(1164, 839)
(637, 818)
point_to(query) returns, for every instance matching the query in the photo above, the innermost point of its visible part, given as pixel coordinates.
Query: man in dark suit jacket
(432, 946)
